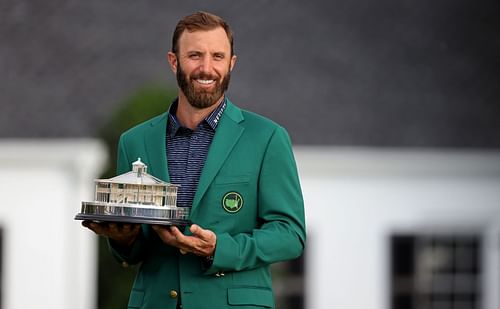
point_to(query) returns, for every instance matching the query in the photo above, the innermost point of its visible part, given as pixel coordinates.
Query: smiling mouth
(205, 81)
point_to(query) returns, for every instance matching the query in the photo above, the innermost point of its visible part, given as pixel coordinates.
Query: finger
(177, 234)
(204, 235)
(113, 228)
(137, 227)
(165, 234)
(186, 243)
(95, 227)
(130, 228)
(197, 231)
(182, 251)
(160, 229)
(119, 228)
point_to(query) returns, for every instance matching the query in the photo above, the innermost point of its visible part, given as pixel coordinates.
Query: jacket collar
(228, 132)
(227, 135)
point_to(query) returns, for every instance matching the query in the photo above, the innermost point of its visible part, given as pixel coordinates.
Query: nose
(206, 65)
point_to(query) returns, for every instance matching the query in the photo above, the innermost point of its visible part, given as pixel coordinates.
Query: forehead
(204, 40)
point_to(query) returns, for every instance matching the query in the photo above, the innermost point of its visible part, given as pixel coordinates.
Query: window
(103, 197)
(436, 271)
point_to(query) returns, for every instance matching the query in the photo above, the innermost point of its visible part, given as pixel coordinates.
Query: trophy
(135, 197)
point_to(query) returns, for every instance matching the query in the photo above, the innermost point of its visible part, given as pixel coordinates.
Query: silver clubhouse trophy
(135, 197)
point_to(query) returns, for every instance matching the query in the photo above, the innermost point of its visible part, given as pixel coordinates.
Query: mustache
(204, 76)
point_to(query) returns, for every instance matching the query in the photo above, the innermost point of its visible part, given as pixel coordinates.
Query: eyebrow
(189, 52)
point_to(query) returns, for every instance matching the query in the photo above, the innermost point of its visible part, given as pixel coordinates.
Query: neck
(190, 116)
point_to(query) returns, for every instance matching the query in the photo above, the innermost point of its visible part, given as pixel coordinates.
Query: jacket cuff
(224, 253)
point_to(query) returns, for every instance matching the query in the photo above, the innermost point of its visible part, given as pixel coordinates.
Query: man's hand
(201, 243)
(122, 234)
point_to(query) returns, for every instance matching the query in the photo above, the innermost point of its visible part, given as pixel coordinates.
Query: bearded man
(236, 171)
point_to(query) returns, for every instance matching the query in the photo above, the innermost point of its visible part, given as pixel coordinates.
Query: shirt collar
(212, 119)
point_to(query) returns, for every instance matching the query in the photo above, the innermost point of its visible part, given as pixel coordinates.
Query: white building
(401, 228)
(360, 204)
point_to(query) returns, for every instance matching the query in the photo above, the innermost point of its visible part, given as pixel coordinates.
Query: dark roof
(386, 73)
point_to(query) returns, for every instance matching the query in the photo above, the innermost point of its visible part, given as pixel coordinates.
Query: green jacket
(249, 155)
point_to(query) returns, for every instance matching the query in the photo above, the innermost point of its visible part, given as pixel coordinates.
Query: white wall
(49, 259)
(357, 197)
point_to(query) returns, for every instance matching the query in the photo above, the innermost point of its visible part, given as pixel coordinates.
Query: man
(237, 172)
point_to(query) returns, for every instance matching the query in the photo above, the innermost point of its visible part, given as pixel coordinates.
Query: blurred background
(392, 106)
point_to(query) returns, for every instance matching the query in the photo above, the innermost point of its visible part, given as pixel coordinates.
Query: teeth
(205, 81)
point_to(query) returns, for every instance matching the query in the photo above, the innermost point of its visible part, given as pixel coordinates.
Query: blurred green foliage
(115, 281)
(147, 102)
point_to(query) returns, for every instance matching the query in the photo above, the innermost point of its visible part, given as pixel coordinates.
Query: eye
(218, 56)
(194, 56)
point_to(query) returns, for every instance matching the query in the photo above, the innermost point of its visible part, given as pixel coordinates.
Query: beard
(202, 98)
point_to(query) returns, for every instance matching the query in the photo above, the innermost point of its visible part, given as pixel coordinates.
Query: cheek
(222, 71)
(189, 68)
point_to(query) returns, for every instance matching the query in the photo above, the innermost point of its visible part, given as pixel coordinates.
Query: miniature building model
(135, 197)
(136, 187)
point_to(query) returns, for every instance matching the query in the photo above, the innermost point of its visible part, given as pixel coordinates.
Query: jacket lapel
(155, 142)
(227, 134)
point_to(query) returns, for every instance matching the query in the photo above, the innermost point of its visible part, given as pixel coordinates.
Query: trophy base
(134, 213)
(132, 220)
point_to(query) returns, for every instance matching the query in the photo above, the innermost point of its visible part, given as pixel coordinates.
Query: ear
(172, 60)
(233, 62)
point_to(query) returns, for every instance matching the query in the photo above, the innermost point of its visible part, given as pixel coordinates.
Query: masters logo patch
(232, 202)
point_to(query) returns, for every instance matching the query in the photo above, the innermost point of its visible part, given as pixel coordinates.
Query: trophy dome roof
(138, 175)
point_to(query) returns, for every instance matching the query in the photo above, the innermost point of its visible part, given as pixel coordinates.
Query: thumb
(195, 229)
(198, 231)
(206, 235)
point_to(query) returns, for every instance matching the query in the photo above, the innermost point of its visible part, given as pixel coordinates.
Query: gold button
(173, 294)
(124, 264)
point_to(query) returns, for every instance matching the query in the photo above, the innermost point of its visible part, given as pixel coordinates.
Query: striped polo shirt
(187, 151)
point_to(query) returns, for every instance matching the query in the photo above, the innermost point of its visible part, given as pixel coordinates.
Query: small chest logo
(232, 202)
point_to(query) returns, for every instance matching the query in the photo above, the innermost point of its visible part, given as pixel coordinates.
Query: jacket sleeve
(282, 232)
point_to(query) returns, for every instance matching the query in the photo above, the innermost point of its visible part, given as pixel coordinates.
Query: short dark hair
(200, 21)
